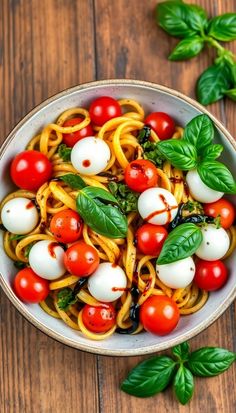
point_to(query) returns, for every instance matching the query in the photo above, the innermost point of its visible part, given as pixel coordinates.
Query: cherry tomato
(162, 124)
(29, 287)
(81, 259)
(70, 139)
(30, 170)
(103, 109)
(66, 226)
(99, 319)
(210, 275)
(141, 175)
(159, 314)
(224, 208)
(150, 239)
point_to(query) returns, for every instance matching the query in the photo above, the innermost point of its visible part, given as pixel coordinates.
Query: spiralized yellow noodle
(121, 135)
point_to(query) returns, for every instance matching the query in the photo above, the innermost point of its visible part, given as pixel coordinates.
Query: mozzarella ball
(90, 156)
(177, 274)
(46, 258)
(199, 191)
(107, 283)
(214, 245)
(19, 216)
(157, 206)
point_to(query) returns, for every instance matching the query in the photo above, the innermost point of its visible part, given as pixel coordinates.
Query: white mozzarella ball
(46, 259)
(157, 206)
(19, 216)
(199, 190)
(215, 243)
(107, 283)
(90, 155)
(177, 274)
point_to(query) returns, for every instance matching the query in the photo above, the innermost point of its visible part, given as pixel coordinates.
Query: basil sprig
(100, 211)
(155, 374)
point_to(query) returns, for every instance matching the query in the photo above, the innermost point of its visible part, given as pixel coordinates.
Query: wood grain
(47, 46)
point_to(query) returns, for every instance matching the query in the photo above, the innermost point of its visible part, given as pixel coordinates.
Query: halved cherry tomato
(81, 259)
(210, 275)
(222, 208)
(30, 170)
(103, 109)
(162, 124)
(141, 175)
(159, 314)
(99, 319)
(66, 226)
(150, 239)
(29, 287)
(70, 139)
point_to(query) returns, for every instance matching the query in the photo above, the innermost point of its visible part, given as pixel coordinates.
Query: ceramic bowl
(153, 98)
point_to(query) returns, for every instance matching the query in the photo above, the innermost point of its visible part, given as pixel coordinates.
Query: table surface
(47, 46)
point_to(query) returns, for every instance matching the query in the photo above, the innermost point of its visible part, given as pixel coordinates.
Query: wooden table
(47, 46)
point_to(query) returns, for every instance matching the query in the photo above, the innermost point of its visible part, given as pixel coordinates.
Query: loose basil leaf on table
(181, 351)
(73, 180)
(149, 377)
(187, 48)
(199, 132)
(181, 243)
(211, 152)
(178, 153)
(64, 152)
(217, 176)
(213, 83)
(223, 27)
(99, 210)
(231, 93)
(210, 361)
(183, 384)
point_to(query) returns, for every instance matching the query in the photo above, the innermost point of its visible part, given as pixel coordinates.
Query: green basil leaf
(181, 243)
(223, 27)
(212, 152)
(16, 237)
(126, 198)
(196, 17)
(149, 377)
(217, 176)
(181, 351)
(210, 361)
(213, 83)
(231, 93)
(66, 298)
(151, 153)
(187, 48)
(144, 134)
(99, 210)
(179, 153)
(199, 132)
(172, 16)
(183, 384)
(73, 180)
(64, 152)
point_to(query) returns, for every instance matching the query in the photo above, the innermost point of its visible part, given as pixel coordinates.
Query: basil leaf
(126, 198)
(144, 134)
(152, 153)
(99, 210)
(172, 17)
(149, 377)
(64, 152)
(181, 352)
(213, 83)
(223, 27)
(66, 298)
(16, 237)
(187, 48)
(179, 153)
(73, 180)
(212, 152)
(181, 243)
(210, 361)
(183, 384)
(217, 176)
(196, 17)
(231, 93)
(199, 132)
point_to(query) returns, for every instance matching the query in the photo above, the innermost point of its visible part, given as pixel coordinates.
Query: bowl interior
(152, 98)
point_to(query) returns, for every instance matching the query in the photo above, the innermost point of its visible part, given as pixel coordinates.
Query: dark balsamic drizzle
(194, 219)
(79, 285)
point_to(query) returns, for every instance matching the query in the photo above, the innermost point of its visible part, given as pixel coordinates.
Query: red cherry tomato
(224, 208)
(141, 175)
(81, 259)
(66, 226)
(150, 239)
(103, 109)
(159, 314)
(29, 287)
(99, 319)
(30, 170)
(162, 124)
(210, 275)
(70, 139)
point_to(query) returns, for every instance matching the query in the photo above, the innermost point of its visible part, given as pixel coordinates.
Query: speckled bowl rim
(90, 347)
